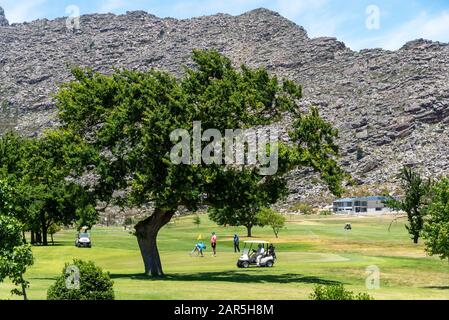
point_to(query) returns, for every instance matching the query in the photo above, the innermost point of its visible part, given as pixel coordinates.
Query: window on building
(378, 209)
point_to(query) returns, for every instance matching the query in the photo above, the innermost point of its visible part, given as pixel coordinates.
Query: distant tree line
(40, 177)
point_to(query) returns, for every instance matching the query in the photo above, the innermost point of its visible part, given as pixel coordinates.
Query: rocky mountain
(391, 107)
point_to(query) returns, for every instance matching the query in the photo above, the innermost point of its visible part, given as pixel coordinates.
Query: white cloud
(23, 10)
(434, 28)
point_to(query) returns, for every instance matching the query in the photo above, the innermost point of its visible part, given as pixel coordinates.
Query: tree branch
(394, 220)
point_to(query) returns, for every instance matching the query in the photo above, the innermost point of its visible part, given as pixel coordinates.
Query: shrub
(337, 292)
(304, 208)
(326, 213)
(91, 283)
(197, 220)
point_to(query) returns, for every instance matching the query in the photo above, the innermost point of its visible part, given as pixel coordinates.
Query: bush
(326, 213)
(91, 283)
(337, 292)
(197, 220)
(304, 208)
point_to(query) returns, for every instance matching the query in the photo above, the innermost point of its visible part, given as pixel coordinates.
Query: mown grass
(311, 250)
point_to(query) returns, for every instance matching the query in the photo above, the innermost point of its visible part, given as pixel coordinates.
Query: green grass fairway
(311, 250)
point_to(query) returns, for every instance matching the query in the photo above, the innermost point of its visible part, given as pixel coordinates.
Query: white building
(365, 205)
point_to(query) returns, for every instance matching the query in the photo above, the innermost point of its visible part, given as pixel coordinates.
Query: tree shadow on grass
(437, 287)
(50, 245)
(231, 276)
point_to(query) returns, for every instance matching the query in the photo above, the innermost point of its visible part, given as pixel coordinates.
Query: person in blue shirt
(236, 243)
(199, 247)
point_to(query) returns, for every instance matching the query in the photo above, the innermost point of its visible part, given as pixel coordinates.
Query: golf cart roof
(257, 241)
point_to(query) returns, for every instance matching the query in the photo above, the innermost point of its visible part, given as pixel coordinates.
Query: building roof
(371, 198)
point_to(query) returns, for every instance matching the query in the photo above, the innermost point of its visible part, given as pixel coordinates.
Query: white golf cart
(83, 238)
(258, 253)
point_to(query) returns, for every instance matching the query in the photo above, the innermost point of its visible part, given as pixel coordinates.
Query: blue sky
(361, 24)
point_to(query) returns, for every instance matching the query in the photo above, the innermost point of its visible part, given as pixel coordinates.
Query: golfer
(213, 243)
(199, 247)
(236, 243)
(259, 254)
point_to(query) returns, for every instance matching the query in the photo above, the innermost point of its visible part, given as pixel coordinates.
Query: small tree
(52, 230)
(197, 220)
(15, 257)
(415, 202)
(305, 209)
(436, 229)
(229, 216)
(269, 217)
(82, 280)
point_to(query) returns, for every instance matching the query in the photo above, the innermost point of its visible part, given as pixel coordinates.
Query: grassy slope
(311, 250)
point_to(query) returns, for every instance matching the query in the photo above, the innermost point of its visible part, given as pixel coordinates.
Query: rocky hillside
(391, 108)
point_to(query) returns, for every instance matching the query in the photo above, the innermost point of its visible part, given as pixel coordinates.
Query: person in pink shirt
(213, 243)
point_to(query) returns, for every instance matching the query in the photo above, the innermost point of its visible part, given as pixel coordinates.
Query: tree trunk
(44, 233)
(415, 238)
(33, 239)
(52, 241)
(24, 239)
(38, 237)
(146, 232)
(249, 229)
(24, 291)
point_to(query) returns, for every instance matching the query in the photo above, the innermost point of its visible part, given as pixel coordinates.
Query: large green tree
(414, 203)
(436, 228)
(50, 171)
(129, 118)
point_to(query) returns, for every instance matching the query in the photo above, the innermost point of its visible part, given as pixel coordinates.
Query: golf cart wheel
(239, 265)
(245, 264)
(269, 264)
